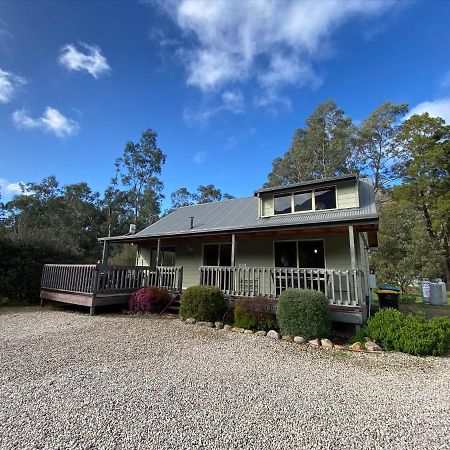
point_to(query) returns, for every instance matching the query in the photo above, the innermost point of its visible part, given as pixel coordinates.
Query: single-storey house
(315, 234)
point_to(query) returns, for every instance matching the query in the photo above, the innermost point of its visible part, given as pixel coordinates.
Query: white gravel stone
(70, 381)
(272, 334)
(191, 320)
(299, 340)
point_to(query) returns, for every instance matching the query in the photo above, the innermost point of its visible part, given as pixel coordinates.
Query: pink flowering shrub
(151, 299)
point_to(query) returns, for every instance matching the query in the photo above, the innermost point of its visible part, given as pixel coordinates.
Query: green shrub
(412, 334)
(408, 299)
(302, 312)
(202, 303)
(384, 327)
(255, 313)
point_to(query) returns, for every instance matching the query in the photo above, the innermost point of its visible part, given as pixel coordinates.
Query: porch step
(173, 308)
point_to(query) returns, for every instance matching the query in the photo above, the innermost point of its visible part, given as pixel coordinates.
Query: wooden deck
(100, 285)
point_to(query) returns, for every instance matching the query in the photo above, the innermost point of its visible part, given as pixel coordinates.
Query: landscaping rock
(372, 346)
(227, 327)
(326, 343)
(288, 338)
(248, 332)
(339, 347)
(299, 340)
(208, 324)
(191, 321)
(315, 342)
(260, 333)
(272, 334)
(219, 325)
(237, 330)
(200, 323)
(368, 339)
(356, 346)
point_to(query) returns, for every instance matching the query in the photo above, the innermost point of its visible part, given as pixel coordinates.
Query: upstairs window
(282, 204)
(325, 198)
(303, 201)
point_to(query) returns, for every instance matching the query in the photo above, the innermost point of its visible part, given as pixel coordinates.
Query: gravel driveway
(68, 380)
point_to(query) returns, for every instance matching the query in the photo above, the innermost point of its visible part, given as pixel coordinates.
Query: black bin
(388, 296)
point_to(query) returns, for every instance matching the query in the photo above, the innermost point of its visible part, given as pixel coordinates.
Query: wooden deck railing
(102, 279)
(341, 287)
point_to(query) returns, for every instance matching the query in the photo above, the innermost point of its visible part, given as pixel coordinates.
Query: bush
(412, 334)
(202, 303)
(255, 313)
(408, 299)
(151, 299)
(302, 312)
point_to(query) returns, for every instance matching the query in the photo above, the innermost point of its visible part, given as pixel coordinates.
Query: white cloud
(9, 83)
(51, 120)
(90, 60)
(275, 43)
(200, 157)
(435, 108)
(9, 189)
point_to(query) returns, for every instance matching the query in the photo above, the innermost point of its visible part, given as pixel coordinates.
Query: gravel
(71, 381)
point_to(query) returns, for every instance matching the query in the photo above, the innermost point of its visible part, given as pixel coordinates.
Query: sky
(223, 83)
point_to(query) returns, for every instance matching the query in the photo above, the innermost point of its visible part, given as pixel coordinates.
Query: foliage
(255, 313)
(405, 251)
(378, 151)
(202, 303)
(303, 312)
(125, 256)
(138, 169)
(324, 148)
(151, 299)
(408, 299)
(205, 194)
(426, 177)
(412, 334)
(21, 265)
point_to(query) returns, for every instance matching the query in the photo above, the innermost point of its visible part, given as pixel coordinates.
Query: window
(282, 204)
(217, 255)
(309, 254)
(325, 198)
(166, 256)
(303, 201)
(285, 254)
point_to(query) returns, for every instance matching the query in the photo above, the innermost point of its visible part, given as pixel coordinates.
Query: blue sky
(224, 84)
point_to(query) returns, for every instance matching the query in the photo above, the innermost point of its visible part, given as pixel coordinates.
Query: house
(314, 234)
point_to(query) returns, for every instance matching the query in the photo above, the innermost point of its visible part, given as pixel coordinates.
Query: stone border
(370, 346)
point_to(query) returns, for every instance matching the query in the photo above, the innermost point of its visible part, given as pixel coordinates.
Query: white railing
(102, 279)
(341, 287)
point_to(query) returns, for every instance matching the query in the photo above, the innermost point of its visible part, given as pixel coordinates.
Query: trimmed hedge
(303, 312)
(151, 299)
(412, 334)
(255, 313)
(205, 303)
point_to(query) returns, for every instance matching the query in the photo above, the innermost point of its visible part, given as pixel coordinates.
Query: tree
(181, 197)
(405, 251)
(205, 194)
(425, 171)
(378, 149)
(324, 148)
(138, 169)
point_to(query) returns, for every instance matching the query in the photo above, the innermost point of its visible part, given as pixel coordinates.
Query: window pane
(303, 201)
(168, 256)
(211, 255)
(285, 254)
(282, 204)
(225, 255)
(311, 254)
(325, 198)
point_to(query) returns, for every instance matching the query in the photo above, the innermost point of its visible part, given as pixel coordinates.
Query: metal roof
(242, 214)
(309, 183)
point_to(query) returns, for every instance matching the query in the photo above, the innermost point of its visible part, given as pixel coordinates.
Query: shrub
(412, 334)
(408, 299)
(302, 312)
(202, 303)
(151, 299)
(255, 313)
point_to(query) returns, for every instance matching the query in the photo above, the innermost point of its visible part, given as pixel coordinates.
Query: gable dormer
(309, 196)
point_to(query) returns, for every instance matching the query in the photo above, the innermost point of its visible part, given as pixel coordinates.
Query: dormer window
(312, 200)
